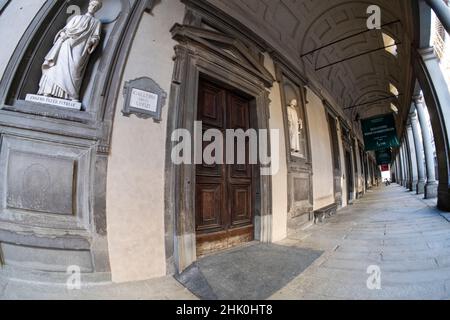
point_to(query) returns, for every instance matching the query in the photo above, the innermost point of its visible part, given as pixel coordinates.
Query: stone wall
(135, 188)
(321, 152)
(279, 181)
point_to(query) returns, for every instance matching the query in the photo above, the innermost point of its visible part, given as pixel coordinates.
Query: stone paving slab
(166, 288)
(253, 272)
(406, 237)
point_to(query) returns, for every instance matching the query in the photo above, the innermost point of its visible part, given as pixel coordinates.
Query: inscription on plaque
(144, 98)
(68, 104)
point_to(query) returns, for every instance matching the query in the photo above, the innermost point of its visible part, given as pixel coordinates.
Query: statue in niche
(295, 126)
(64, 66)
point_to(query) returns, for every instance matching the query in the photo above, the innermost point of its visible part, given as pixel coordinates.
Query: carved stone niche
(23, 74)
(300, 188)
(53, 162)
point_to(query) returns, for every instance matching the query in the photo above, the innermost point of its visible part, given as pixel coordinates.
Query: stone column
(419, 153)
(406, 154)
(441, 11)
(394, 170)
(413, 179)
(404, 165)
(357, 168)
(400, 170)
(431, 185)
(408, 162)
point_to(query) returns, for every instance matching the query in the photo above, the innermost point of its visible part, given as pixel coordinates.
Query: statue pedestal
(73, 105)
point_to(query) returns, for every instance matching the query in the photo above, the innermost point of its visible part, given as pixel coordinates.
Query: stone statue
(295, 126)
(65, 64)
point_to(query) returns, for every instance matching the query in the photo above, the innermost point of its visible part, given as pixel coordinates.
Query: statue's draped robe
(294, 132)
(65, 64)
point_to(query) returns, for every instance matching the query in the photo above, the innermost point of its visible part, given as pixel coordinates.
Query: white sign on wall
(68, 104)
(144, 100)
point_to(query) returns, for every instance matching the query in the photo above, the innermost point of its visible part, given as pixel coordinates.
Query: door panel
(212, 101)
(209, 207)
(238, 111)
(224, 193)
(209, 170)
(241, 208)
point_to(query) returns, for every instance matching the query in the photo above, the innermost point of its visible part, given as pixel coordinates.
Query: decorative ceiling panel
(295, 27)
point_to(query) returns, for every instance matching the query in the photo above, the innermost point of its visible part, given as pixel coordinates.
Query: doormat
(254, 272)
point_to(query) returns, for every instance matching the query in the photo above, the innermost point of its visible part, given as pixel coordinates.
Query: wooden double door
(225, 193)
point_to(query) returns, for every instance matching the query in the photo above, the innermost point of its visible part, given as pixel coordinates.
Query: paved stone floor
(402, 234)
(398, 231)
(251, 272)
(166, 288)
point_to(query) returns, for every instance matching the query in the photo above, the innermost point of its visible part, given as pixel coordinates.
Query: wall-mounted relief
(144, 98)
(43, 184)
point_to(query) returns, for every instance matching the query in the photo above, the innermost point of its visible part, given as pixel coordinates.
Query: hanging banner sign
(384, 157)
(380, 133)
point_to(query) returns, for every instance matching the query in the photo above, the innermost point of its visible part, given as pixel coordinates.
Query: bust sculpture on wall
(64, 66)
(295, 125)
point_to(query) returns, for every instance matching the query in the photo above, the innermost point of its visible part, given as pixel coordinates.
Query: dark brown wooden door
(224, 193)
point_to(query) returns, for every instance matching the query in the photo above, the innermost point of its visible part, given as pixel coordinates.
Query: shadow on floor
(255, 272)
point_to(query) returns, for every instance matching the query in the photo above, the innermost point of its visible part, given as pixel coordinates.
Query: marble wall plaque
(61, 103)
(144, 98)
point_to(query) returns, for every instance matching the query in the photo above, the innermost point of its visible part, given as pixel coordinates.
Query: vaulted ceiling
(295, 27)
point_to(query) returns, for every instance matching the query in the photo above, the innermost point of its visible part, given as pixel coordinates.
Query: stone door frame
(196, 58)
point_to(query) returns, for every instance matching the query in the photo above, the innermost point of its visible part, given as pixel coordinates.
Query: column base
(444, 198)
(420, 187)
(409, 185)
(431, 190)
(414, 186)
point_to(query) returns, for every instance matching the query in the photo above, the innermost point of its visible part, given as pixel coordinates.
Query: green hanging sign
(380, 133)
(384, 157)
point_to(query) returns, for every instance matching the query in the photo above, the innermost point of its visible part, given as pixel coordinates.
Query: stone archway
(437, 97)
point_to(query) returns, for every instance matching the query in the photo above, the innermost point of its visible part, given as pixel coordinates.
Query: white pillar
(431, 185)
(413, 179)
(419, 152)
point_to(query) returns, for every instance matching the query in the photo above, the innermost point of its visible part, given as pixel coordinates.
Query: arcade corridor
(225, 149)
(406, 236)
(398, 231)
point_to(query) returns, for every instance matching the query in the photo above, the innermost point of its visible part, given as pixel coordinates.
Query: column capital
(428, 54)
